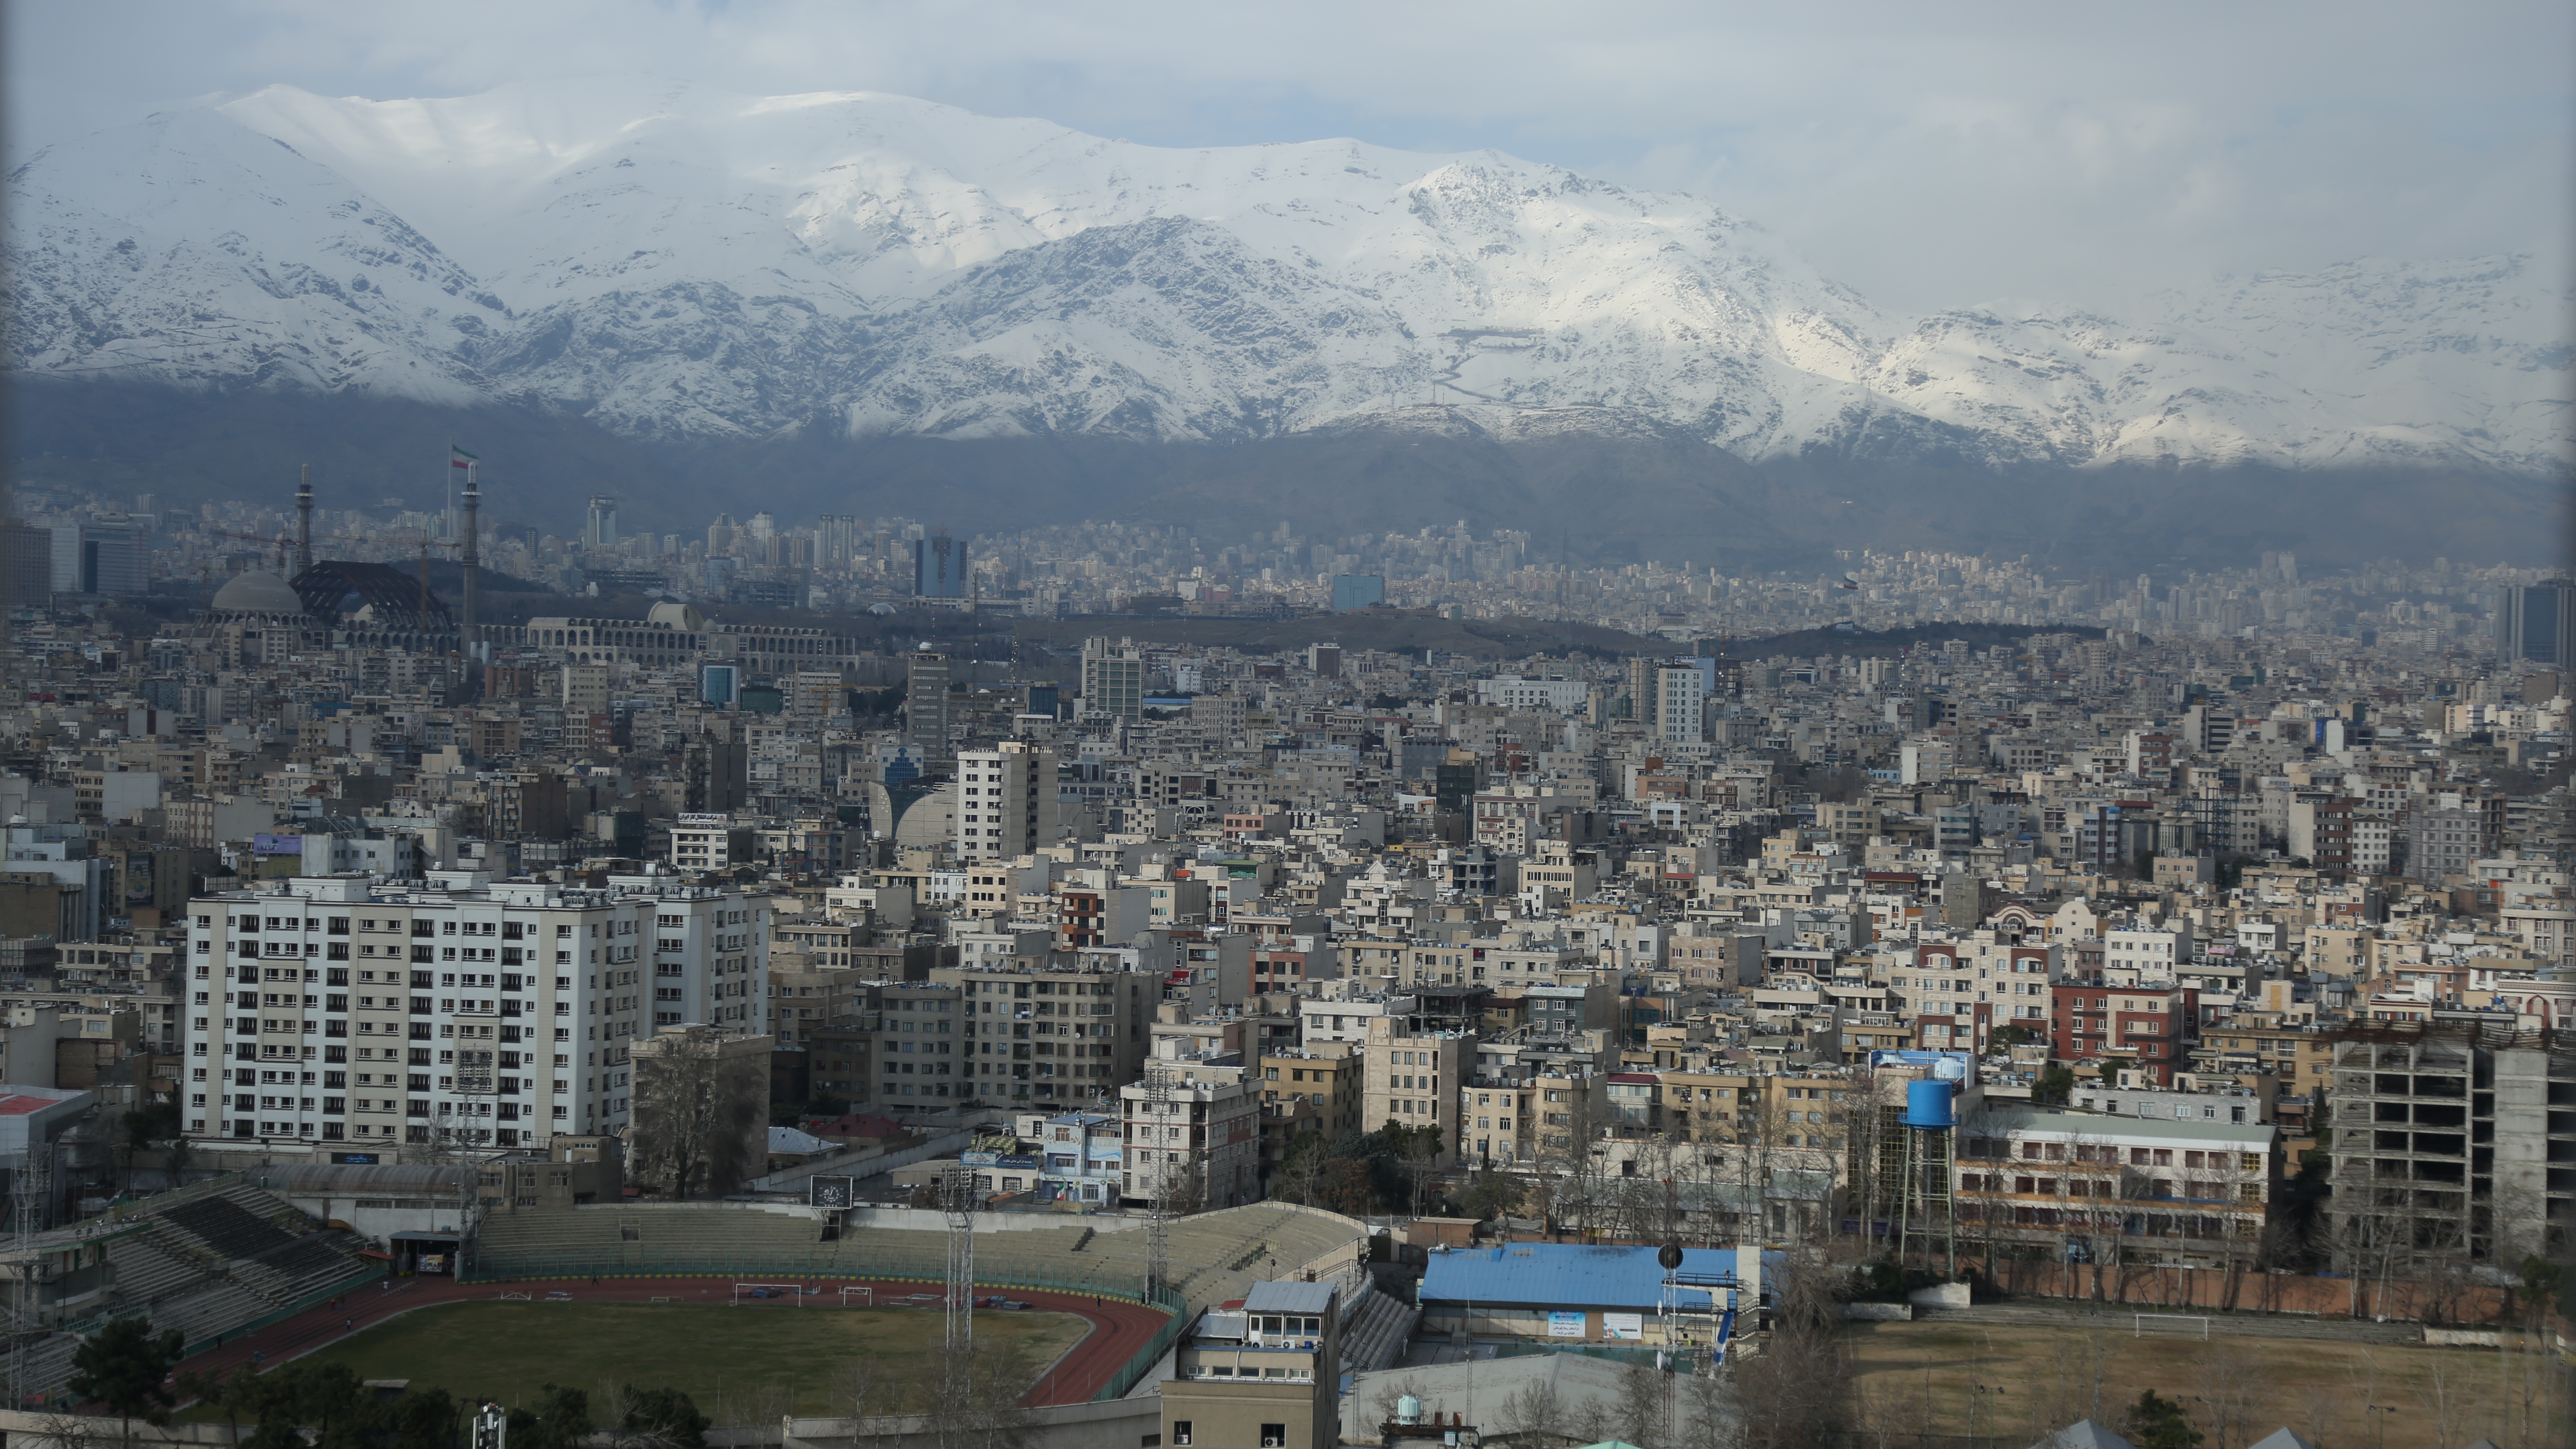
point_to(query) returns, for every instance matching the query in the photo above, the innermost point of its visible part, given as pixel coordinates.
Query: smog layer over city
(736, 723)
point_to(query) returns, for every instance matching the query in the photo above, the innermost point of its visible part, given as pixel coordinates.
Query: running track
(1118, 1328)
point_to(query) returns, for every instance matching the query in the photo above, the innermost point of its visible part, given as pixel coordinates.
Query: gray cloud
(1926, 155)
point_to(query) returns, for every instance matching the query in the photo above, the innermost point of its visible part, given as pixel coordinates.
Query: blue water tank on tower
(1927, 1104)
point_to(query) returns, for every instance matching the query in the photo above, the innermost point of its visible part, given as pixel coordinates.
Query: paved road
(1118, 1329)
(2122, 1318)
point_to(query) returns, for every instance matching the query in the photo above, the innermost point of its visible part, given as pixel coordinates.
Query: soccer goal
(761, 1292)
(867, 1296)
(2186, 1324)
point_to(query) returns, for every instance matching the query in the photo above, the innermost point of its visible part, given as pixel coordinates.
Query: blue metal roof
(1567, 1275)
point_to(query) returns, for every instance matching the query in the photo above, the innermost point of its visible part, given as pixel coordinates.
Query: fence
(1105, 1280)
(2246, 1290)
(1144, 1359)
(1682, 1361)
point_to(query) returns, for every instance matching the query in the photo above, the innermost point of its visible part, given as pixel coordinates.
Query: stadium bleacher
(1216, 1256)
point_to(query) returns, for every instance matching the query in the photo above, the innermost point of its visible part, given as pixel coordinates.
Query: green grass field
(741, 1365)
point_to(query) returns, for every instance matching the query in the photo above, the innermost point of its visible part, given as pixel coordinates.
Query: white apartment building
(1202, 1130)
(2145, 957)
(1511, 691)
(1680, 690)
(339, 1010)
(710, 842)
(1347, 1020)
(1006, 801)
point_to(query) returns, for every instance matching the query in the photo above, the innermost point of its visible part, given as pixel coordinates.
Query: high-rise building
(1357, 591)
(26, 563)
(1113, 679)
(939, 567)
(454, 1012)
(2537, 623)
(1005, 801)
(837, 538)
(599, 529)
(1678, 691)
(925, 706)
(104, 556)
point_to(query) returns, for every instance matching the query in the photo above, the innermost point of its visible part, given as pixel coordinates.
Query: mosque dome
(257, 591)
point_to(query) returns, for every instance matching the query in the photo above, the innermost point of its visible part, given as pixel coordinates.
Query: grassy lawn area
(741, 1365)
(2017, 1382)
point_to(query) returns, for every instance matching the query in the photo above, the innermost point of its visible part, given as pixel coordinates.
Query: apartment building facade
(1061, 1034)
(1196, 1133)
(1006, 801)
(458, 1011)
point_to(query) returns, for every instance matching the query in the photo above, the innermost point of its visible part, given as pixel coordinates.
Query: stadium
(246, 1276)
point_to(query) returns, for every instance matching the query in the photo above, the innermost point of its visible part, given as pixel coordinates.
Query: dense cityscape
(1641, 904)
(759, 724)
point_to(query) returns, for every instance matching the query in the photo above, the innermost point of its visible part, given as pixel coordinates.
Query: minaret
(304, 521)
(470, 559)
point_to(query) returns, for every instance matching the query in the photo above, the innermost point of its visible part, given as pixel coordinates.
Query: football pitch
(741, 1364)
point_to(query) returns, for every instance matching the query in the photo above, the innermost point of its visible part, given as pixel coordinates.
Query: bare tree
(1796, 1394)
(1535, 1412)
(701, 1099)
(1642, 1413)
(859, 1387)
(1762, 1130)
(971, 1395)
(1704, 1419)
(2233, 1382)
(2447, 1393)
(2321, 1404)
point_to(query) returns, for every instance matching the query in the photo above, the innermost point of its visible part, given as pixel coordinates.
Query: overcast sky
(1928, 155)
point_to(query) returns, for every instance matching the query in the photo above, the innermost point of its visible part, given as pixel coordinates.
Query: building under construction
(2452, 1142)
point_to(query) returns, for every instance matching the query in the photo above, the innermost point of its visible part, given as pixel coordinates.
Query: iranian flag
(459, 458)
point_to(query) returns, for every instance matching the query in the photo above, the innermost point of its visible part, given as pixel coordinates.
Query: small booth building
(1264, 1373)
(1574, 1293)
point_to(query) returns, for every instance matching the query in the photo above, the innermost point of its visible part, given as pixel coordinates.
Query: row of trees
(126, 1368)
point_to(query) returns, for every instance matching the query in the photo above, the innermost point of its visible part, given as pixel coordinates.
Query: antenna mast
(30, 1188)
(958, 1203)
(1158, 1211)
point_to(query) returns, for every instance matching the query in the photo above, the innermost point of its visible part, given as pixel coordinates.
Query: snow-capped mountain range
(673, 262)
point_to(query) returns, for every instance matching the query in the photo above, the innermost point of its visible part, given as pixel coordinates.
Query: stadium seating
(1215, 1256)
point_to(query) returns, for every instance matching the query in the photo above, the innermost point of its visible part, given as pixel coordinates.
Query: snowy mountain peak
(674, 261)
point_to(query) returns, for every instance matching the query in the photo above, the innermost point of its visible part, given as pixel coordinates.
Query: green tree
(1494, 1194)
(2005, 1038)
(2541, 1279)
(2055, 1085)
(123, 1366)
(560, 1420)
(2156, 1422)
(666, 1417)
(421, 1419)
